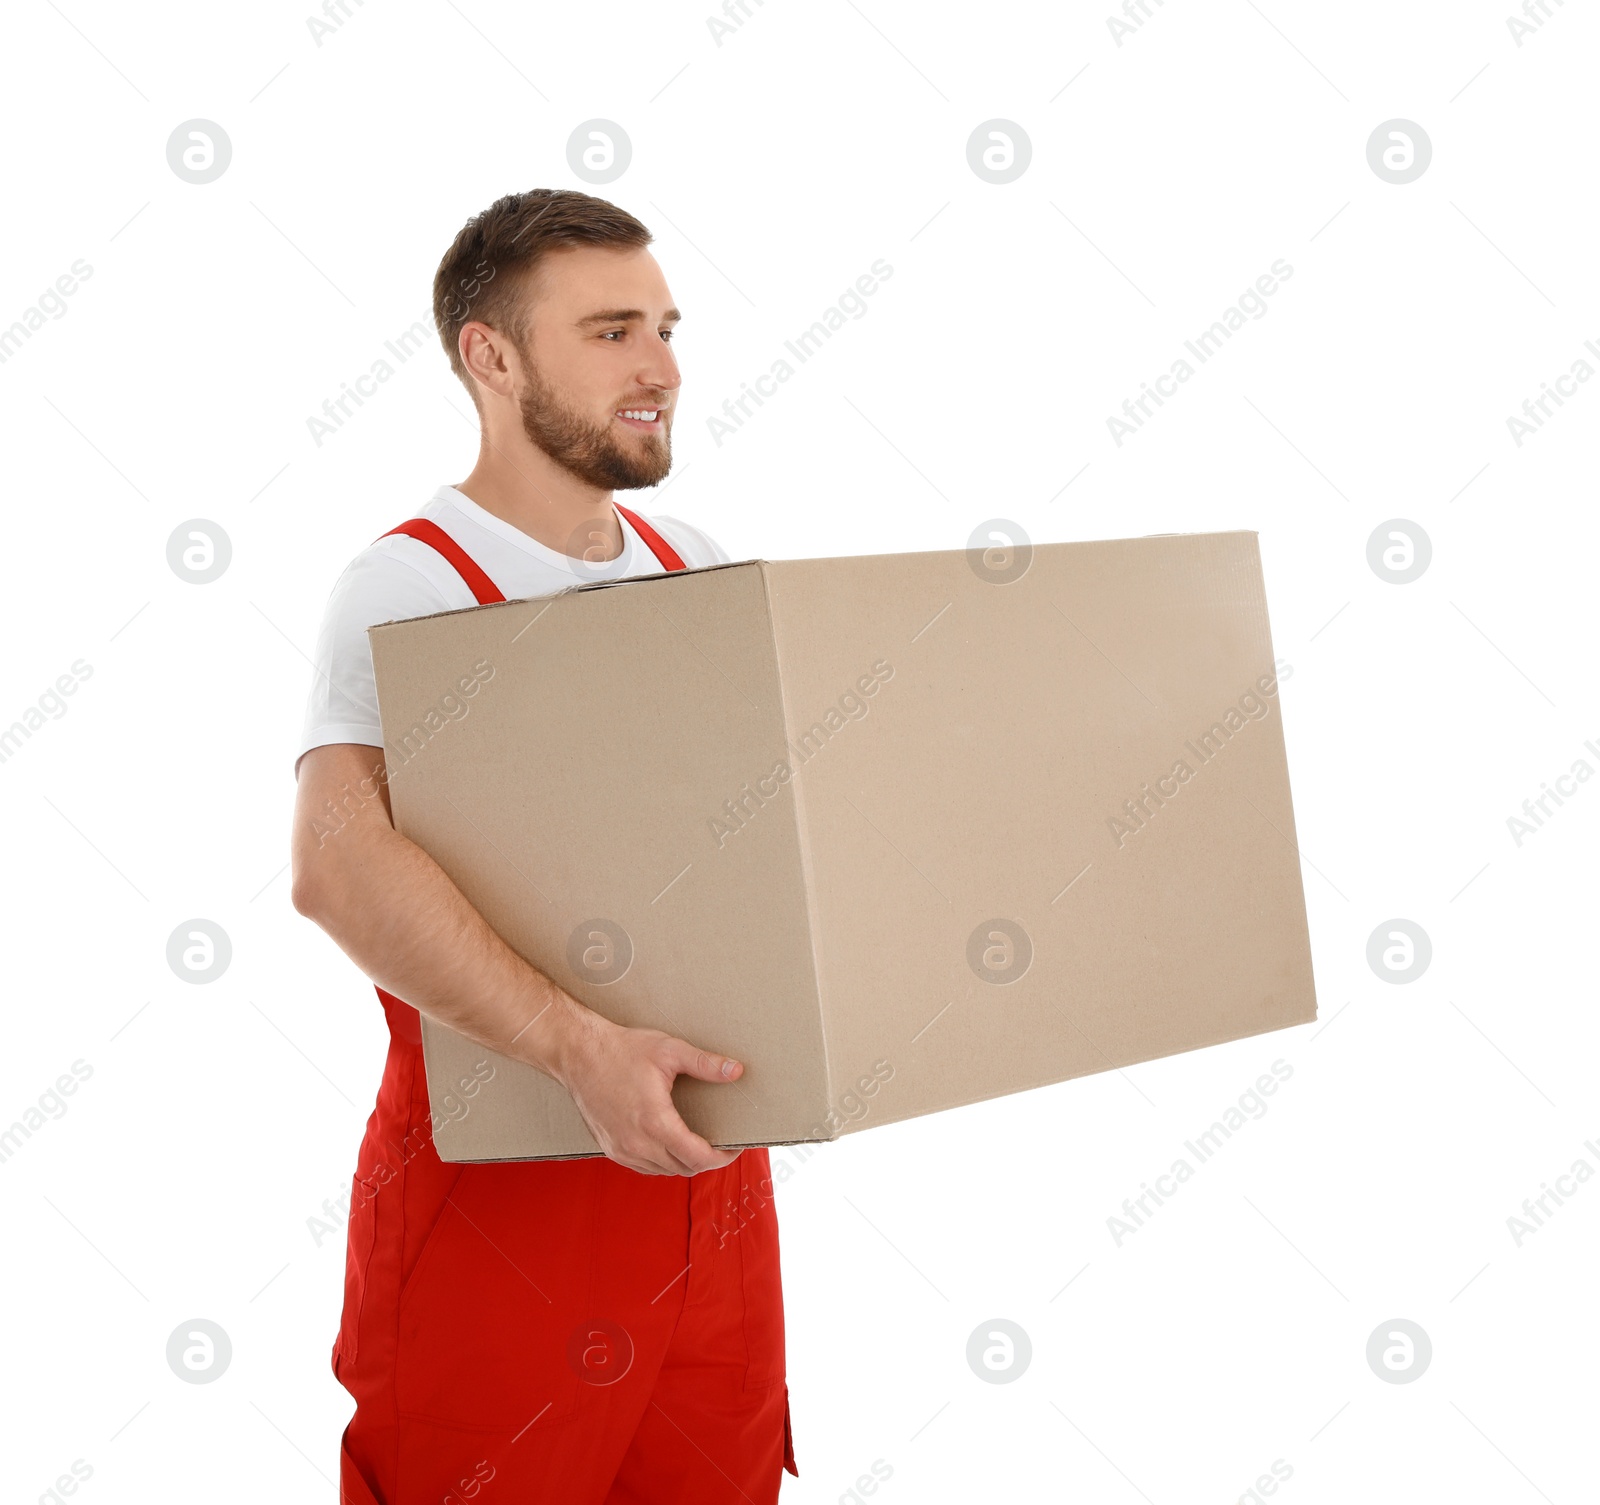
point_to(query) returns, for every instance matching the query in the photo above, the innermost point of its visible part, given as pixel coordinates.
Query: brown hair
(490, 264)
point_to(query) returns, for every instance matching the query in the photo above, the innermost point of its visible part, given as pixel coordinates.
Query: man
(582, 1330)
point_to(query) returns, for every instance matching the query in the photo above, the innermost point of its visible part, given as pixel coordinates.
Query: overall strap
(431, 533)
(482, 587)
(658, 545)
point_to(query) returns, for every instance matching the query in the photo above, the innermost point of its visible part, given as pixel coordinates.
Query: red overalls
(554, 1330)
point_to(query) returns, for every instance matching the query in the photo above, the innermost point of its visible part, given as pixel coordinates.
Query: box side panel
(1047, 816)
(606, 799)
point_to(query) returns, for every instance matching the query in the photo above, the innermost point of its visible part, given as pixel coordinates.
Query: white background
(1167, 174)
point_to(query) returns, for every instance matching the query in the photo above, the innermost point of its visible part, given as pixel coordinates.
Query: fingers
(667, 1146)
(694, 1152)
(648, 1159)
(664, 1163)
(652, 1167)
(649, 1135)
(685, 1059)
(678, 1141)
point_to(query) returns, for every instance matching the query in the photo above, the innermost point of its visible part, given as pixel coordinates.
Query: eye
(607, 335)
(666, 334)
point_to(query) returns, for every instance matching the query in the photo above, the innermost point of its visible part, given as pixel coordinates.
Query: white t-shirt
(399, 577)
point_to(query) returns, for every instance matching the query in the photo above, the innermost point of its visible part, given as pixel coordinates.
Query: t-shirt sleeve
(342, 706)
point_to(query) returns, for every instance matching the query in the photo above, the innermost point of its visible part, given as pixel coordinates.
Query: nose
(660, 372)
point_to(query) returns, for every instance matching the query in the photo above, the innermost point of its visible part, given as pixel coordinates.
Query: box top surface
(767, 564)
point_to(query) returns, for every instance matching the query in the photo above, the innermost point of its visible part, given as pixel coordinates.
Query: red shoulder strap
(431, 533)
(658, 545)
(482, 587)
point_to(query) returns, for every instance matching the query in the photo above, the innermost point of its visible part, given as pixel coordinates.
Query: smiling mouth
(647, 419)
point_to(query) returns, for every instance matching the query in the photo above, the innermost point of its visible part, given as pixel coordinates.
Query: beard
(593, 452)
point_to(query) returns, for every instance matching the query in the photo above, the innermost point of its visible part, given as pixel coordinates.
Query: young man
(597, 1331)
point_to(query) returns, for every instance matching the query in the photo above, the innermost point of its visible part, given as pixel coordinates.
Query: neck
(521, 485)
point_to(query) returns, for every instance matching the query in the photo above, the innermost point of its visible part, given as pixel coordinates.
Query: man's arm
(396, 913)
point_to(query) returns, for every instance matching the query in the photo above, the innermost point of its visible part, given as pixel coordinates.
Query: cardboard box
(900, 831)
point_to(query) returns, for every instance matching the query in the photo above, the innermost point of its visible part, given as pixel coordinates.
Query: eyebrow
(626, 316)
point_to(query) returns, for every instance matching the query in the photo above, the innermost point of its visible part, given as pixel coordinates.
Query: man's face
(597, 355)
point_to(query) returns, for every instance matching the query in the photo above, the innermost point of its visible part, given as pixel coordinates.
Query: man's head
(556, 317)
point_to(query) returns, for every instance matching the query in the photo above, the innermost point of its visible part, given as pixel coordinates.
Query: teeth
(644, 415)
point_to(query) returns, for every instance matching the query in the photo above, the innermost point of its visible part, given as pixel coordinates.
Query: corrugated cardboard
(900, 832)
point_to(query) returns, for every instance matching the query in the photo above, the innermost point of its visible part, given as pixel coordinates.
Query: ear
(489, 357)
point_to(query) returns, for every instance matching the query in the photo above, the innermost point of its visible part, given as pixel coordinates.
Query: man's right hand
(621, 1080)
